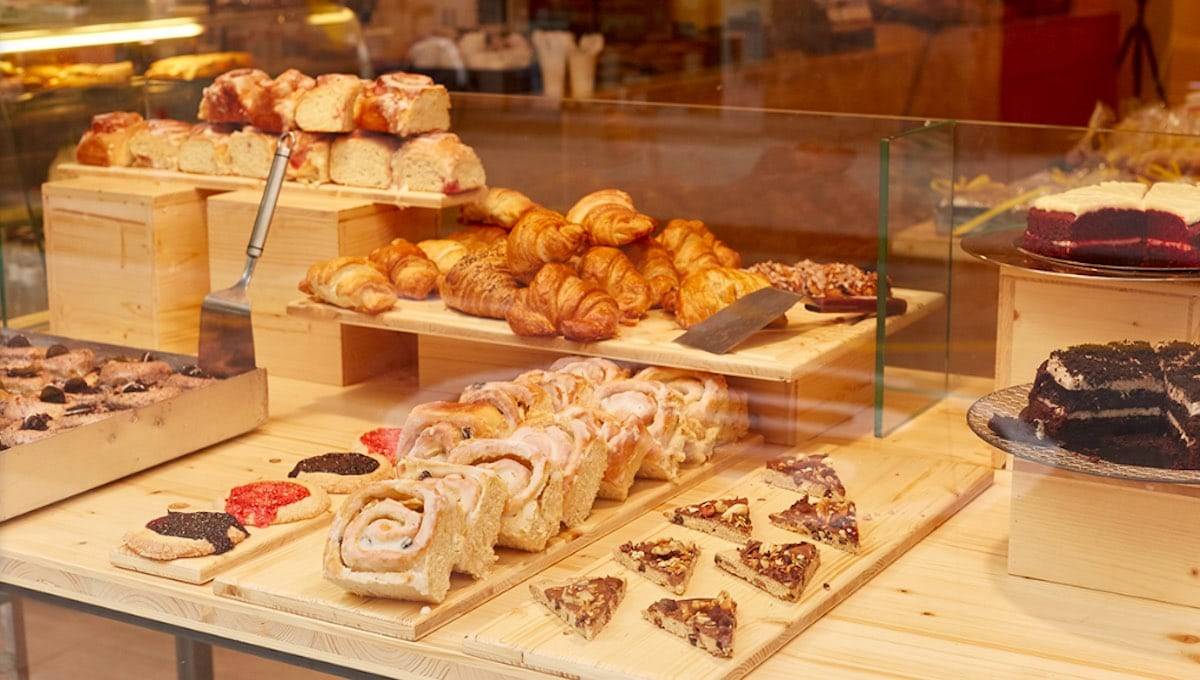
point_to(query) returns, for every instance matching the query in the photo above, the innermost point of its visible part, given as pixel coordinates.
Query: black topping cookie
(349, 464)
(209, 526)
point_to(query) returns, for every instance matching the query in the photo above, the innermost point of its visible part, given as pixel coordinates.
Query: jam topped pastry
(262, 504)
(781, 570)
(728, 518)
(177, 535)
(668, 562)
(706, 622)
(341, 472)
(586, 604)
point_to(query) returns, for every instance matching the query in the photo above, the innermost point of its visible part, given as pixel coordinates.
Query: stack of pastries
(511, 462)
(389, 132)
(580, 275)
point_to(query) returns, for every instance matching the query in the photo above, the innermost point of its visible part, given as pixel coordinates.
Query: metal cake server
(226, 332)
(726, 329)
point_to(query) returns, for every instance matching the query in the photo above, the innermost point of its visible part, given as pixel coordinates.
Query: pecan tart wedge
(668, 562)
(706, 622)
(727, 518)
(825, 520)
(586, 604)
(782, 570)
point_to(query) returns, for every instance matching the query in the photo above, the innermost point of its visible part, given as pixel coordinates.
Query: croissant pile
(511, 463)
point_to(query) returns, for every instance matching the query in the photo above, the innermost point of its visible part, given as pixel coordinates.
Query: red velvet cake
(1172, 225)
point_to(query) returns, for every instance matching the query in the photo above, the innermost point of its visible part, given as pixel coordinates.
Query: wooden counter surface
(946, 609)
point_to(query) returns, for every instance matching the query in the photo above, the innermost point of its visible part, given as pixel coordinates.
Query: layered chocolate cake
(1118, 223)
(1097, 397)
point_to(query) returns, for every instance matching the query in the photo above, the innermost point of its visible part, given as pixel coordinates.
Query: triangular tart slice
(809, 474)
(586, 604)
(781, 570)
(669, 562)
(728, 518)
(706, 622)
(826, 520)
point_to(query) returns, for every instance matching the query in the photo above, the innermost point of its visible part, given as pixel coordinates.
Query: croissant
(612, 271)
(542, 236)
(609, 217)
(412, 273)
(695, 247)
(444, 252)
(477, 238)
(479, 285)
(349, 282)
(657, 266)
(705, 292)
(501, 207)
(557, 301)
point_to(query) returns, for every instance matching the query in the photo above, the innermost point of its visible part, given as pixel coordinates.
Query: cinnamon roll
(593, 369)
(535, 489)
(434, 428)
(576, 450)
(656, 407)
(517, 402)
(707, 399)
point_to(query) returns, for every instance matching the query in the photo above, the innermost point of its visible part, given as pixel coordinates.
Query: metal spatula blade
(226, 332)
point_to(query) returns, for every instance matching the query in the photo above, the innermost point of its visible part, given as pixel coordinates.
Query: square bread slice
(782, 570)
(586, 604)
(707, 622)
(362, 159)
(668, 562)
(727, 518)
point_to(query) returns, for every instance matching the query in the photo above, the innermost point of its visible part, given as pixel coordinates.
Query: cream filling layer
(1075, 382)
(1176, 395)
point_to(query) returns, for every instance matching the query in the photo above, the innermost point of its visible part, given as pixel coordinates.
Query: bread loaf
(403, 104)
(309, 162)
(251, 151)
(106, 142)
(206, 150)
(437, 162)
(157, 144)
(275, 108)
(233, 95)
(363, 159)
(195, 66)
(329, 105)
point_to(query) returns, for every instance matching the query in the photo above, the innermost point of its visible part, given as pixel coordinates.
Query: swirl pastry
(610, 218)
(517, 402)
(657, 408)
(610, 269)
(535, 489)
(480, 494)
(558, 301)
(433, 429)
(394, 539)
(575, 450)
(593, 369)
(412, 273)
(542, 236)
(707, 398)
(565, 389)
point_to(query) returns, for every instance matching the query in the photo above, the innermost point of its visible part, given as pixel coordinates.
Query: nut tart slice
(727, 518)
(341, 473)
(658, 409)
(274, 501)
(585, 604)
(480, 494)
(705, 622)
(535, 489)
(394, 539)
(827, 520)
(810, 475)
(782, 570)
(668, 562)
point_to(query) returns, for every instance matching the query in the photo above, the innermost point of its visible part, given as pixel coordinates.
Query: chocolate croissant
(609, 217)
(539, 237)
(479, 285)
(350, 282)
(695, 247)
(612, 271)
(558, 301)
(706, 292)
(656, 264)
(412, 273)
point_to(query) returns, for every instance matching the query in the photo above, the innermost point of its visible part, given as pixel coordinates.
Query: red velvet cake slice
(1102, 223)
(1172, 225)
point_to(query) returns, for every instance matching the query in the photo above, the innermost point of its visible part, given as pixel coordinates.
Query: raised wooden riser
(1123, 537)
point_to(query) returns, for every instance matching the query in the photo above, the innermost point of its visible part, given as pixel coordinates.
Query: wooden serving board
(292, 580)
(200, 570)
(412, 199)
(785, 354)
(900, 500)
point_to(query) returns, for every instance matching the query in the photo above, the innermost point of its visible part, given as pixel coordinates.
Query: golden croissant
(478, 238)
(350, 282)
(479, 285)
(558, 301)
(657, 266)
(609, 217)
(612, 271)
(412, 273)
(499, 207)
(444, 252)
(542, 236)
(695, 247)
(708, 291)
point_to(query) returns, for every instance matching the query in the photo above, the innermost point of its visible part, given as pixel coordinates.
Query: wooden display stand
(308, 228)
(1124, 537)
(126, 261)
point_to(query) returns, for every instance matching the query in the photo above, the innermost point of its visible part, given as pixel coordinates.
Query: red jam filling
(382, 442)
(257, 504)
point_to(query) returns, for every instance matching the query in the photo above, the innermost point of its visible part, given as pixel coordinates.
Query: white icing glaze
(1177, 198)
(1116, 195)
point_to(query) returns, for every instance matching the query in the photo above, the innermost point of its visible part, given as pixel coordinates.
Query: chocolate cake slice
(1172, 225)
(1181, 379)
(1103, 223)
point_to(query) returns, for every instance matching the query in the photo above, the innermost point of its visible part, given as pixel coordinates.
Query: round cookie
(186, 534)
(342, 473)
(274, 501)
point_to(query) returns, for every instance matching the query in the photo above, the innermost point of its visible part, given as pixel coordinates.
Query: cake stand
(1001, 248)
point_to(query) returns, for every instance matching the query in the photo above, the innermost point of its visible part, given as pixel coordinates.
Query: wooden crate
(1133, 538)
(126, 261)
(308, 228)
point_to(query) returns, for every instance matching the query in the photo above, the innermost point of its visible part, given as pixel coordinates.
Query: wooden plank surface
(415, 199)
(900, 500)
(292, 581)
(810, 339)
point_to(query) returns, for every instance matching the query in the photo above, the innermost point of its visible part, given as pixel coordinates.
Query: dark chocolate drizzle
(337, 463)
(52, 395)
(209, 526)
(56, 350)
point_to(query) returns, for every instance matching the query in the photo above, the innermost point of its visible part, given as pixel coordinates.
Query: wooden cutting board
(900, 500)
(291, 581)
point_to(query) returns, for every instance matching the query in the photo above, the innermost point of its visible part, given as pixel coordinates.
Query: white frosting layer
(1177, 198)
(1114, 195)
(1074, 382)
(1176, 395)
(1115, 413)
(1187, 439)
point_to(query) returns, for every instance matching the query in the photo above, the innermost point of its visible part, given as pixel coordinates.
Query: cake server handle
(266, 208)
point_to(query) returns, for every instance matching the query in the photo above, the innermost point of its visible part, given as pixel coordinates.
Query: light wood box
(126, 261)
(308, 229)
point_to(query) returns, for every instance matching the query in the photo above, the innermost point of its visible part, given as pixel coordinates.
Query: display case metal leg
(14, 664)
(193, 659)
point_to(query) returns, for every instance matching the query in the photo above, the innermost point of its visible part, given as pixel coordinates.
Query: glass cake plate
(1007, 404)
(1001, 247)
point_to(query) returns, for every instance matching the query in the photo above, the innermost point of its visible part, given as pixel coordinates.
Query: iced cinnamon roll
(535, 489)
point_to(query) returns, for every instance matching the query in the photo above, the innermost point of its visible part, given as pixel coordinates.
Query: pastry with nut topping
(727, 518)
(586, 604)
(826, 520)
(810, 475)
(706, 622)
(668, 562)
(781, 570)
